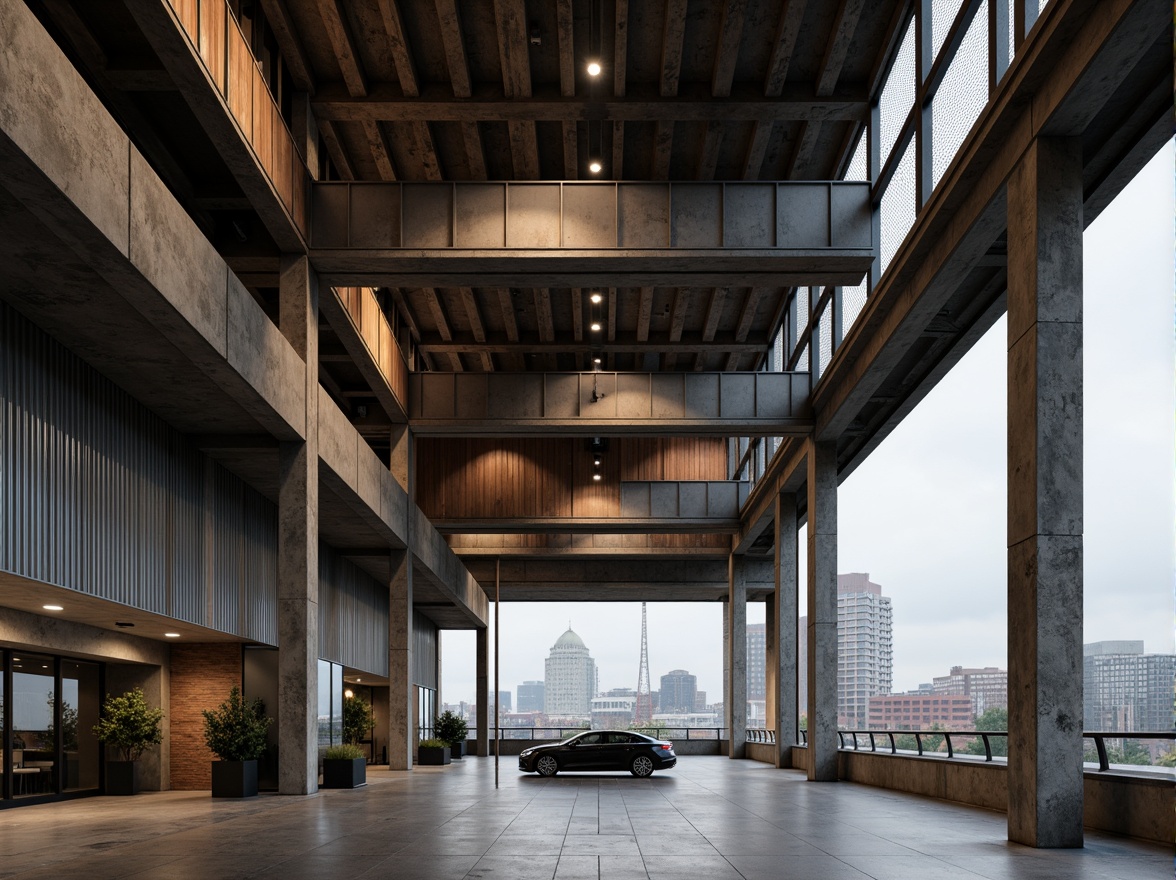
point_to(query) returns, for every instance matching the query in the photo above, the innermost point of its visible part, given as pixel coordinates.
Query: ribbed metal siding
(99, 495)
(424, 651)
(353, 614)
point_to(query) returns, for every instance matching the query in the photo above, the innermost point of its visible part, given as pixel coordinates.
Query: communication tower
(643, 711)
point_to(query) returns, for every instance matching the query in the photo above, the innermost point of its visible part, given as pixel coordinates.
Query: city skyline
(942, 475)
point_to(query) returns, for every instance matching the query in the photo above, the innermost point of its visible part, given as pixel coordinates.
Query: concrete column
(822, 611)
(483, 693)
(401, 692)
(737, 654)
(781, 622)
(401, 459)
(298, 623)
(1045, 495)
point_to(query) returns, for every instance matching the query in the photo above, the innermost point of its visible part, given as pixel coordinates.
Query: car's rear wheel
(547, 766)
(642, 766)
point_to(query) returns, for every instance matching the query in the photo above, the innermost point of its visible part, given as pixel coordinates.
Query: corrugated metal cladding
(353, 614)
(424, 651)
(99, 495)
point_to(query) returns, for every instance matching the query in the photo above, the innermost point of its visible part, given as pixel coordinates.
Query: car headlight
(525, 752)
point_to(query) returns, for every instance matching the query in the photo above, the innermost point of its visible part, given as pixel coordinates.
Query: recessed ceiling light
(124, 624)
(595, 328)
(594, 166)
(172, 635)
(53, 607)
(596, 477)
(594, 68)
(596, 462)
(596, 360)
(596, 297)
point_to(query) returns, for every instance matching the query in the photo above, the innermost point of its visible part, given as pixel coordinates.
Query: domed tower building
(570, 678)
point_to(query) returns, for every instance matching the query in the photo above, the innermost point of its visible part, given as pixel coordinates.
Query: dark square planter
(344, 773)
(234, 779)
(457, 750)
(433, 755)
(122, 777)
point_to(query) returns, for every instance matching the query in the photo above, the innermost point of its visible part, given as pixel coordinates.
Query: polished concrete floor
(707, 818)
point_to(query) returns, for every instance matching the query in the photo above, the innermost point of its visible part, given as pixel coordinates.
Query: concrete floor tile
(514, 868)
(909, 868)
(676, 845)
(579, 868)
(601, 845)
(776, 844)
(690, 868)
(795, 868)
(622, 868)
(433, 868)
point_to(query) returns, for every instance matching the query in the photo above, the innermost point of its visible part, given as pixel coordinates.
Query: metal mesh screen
(826, 329)
(961, 96)
(898, 95)
(857, 170)
(1012, 31)
(943, 13)
(853, 300)
(898, 206)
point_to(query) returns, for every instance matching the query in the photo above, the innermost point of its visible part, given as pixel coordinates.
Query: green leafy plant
(129, 724)
(346, 752)
(450, 727)
(433, 743)
(358, 720)
(235, 730)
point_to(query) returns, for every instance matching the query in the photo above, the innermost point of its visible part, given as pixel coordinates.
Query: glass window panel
(898, 206)
(324, 704)
(80, 699)
(857, 169)
(898, 95)
(943, 13)
(961, 96)
(336, 704)
(34, 749)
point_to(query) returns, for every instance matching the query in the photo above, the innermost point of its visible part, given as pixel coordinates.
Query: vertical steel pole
(497, 588)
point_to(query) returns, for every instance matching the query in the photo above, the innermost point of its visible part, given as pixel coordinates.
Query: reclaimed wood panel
(212, 41)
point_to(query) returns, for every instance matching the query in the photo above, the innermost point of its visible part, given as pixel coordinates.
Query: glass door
(80, 699)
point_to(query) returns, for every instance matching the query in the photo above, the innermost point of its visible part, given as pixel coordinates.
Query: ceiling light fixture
(594, 68)
(53, 607)
(596, 297)
(596, 361)
(596, 478)
(172, 635)
(595, 167)
(595, 328)
(349, 693)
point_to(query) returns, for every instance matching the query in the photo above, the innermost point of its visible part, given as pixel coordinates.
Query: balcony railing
(559, 733)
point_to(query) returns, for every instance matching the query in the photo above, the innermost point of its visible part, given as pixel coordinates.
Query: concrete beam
(609, 404)
(580, 525)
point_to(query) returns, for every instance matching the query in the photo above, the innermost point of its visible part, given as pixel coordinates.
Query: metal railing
(761, 735)
(1100, 738)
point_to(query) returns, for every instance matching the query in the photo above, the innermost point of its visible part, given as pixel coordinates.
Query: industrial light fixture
(53, 607)
(595, 166)
(595, 327)
(596, 297)
(172, 635)
(596, 478)
(594, 67)
(596, 361)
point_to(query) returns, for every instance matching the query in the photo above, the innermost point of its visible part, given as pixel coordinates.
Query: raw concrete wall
(1129, 805)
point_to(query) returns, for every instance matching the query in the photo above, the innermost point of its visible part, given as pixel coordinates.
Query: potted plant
(451, 728)
(129, 725)
(235, 733)
(344, 767)
(434, 752)
(358, 719)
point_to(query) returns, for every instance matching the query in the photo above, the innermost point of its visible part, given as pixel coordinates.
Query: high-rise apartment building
(1125, 689)
(865, 657)
(756, 652)
(569, 683)
(988, 687)
(678, 689)
(916, 711)
(530, 695)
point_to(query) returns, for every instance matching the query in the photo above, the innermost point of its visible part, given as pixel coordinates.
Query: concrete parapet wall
(1130, 805)
(763, 752)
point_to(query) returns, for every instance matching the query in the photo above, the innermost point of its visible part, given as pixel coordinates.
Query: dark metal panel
(696, 215)
(329, 215)
(749, 212)
(589, 216)
(643, 215)
(428, 215)
(424, 651)
(532, 216)
(481, 213)
(803, 216)
(375, 216)
(353, 614)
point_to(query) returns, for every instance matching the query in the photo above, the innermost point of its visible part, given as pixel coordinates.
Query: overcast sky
(925, 514)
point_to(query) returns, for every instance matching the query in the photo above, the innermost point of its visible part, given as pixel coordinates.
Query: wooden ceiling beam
(747, 315)
(512, 359)
(712, 142)
(470, 301)
(567, 48)
(459, 77)
(612, 314)
(787, 32)
(677, 324)
(714, 313)
(578, 314)
(289, 44)
(421, 148)
(848, 14)
(727, 53)
(398, 46)
(620, 73)
(335, 149)
(543, 316)
(334, 18)
(386, 102)
(757, 148)
(802, 156)
(644, 312)
(514, 55)
(433, 301)
(673, 38)
(401, 304)
(381, 153)
(663, 143)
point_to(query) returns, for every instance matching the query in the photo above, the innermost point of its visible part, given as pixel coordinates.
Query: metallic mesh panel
(853, 300)
(898, 206)
(857, 168)
(898, 95)
(961, 96)
(826, 329)
(943, 13)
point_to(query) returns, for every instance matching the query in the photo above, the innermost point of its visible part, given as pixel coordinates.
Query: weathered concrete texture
(1045, 495)
(822, 611)
(782, 622)
(401, 693)
(1139, 808)
(737, 655)
(49, 113)
(298, 550)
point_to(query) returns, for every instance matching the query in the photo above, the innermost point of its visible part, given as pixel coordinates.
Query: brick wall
(201, 677)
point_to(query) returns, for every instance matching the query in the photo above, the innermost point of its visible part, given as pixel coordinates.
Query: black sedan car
(600, 750)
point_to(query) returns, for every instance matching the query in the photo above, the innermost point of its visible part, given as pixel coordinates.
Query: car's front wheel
(642, 766)
(547, 766)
